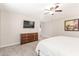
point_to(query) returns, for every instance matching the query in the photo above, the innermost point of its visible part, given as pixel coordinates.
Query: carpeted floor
(20, 50)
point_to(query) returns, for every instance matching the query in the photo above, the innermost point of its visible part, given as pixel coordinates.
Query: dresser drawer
(28, 37)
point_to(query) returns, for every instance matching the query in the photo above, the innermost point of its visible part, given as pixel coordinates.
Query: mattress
(59, 46)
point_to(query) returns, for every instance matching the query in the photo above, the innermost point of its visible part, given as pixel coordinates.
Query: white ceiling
(37, 9)
(39, 1)
(24, 8)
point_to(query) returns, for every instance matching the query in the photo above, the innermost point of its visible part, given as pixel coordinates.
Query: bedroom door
(46, 29)
(43, 33)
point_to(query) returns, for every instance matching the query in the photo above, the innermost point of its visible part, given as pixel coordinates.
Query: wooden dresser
(28, 37)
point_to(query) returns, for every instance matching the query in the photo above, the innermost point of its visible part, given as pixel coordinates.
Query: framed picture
(71, 25)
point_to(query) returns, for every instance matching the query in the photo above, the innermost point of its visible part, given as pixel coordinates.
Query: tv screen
(28, 24)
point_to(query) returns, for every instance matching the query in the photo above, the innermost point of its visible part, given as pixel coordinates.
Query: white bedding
(59, 46)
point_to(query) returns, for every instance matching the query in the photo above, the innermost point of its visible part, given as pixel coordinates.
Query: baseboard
(10, 44)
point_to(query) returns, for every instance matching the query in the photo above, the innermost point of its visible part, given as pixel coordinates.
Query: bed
(58, 46)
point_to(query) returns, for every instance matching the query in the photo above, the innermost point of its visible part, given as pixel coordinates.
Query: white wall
(12, 27)
(48, 29)
(61, 30)
(56, 28)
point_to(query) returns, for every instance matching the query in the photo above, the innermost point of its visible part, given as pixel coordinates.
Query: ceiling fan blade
(56, 7)
(58, 10)
(46, 13)
(51, 8)
(46, 9)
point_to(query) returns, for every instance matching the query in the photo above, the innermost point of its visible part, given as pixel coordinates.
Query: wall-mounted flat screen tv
(28, 24)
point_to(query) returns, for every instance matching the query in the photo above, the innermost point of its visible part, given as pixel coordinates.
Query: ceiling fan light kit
(58, 10)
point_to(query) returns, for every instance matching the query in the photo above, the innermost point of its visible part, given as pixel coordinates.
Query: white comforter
(59, 46)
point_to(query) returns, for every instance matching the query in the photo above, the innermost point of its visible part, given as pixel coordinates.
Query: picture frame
(71, 25)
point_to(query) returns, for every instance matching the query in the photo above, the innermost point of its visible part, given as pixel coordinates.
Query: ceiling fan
(54, 8)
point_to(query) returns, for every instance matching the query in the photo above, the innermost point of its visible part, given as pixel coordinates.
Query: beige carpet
(20, 50)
